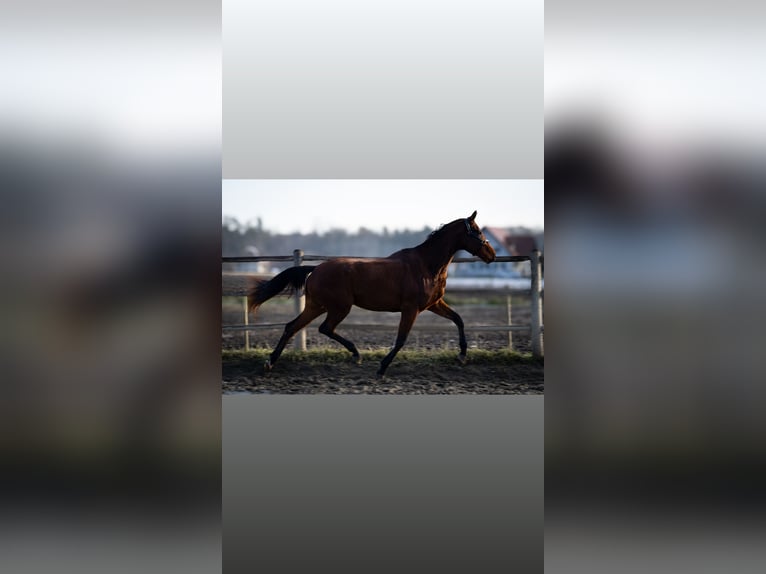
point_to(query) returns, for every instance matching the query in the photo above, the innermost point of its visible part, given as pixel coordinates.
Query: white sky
(318, 205)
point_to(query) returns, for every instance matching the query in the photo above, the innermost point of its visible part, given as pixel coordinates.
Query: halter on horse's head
(484, 249)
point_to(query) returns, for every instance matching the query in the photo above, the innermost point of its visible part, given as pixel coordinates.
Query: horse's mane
(435, 231)
(441, 228)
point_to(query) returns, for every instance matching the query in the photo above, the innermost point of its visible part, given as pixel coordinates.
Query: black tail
(293, 279)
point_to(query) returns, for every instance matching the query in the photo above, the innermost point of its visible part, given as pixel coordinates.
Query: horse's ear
(473, 216)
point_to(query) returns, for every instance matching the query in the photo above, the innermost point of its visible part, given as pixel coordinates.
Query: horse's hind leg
(444, 310)
(334, 317)
(310, 313)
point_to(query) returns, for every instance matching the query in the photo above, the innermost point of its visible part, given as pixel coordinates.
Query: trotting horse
(410, 281)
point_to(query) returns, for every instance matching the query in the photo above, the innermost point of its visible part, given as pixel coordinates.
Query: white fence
(535, 326)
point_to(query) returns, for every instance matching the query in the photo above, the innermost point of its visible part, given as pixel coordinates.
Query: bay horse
(409, 281)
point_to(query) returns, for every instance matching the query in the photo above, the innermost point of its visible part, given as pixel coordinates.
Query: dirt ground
(427, 364)
(495, 372)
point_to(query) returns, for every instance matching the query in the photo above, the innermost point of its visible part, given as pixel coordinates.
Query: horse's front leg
(444, 310)
(405, 325)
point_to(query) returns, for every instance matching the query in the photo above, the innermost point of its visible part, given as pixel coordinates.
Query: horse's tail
(292, 279)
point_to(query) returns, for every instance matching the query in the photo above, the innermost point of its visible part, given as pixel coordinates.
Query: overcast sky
(318, 205)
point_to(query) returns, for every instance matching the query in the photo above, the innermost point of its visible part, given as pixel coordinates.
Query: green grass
(421, 357)
(489, 299)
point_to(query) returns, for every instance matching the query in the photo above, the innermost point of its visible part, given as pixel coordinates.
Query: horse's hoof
(379, 375)
(267, 366)
(356, 359)
(462, 359)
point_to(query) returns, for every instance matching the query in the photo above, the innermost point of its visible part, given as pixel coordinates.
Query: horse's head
(474, 241)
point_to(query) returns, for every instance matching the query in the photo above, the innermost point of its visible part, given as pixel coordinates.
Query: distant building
(505, 242)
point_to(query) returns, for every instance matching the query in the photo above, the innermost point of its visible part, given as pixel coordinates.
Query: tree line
(253, 238)
(239, 239)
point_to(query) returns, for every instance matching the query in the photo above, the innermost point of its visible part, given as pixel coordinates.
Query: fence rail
(535, 327)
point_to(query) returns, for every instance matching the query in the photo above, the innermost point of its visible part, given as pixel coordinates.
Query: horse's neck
(437, 255)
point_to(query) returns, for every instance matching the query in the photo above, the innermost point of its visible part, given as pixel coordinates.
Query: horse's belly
(378, 304)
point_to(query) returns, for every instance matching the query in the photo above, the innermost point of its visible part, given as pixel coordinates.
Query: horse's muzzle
(487, 254)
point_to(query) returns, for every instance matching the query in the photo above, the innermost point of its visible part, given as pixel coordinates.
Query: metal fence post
(510, 322)
(537, 308)
(300, 302)
(247, 322)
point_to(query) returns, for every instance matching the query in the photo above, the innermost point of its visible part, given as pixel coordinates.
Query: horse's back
(374, 284)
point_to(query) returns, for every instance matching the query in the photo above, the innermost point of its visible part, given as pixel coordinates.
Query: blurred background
(110, 171)
(656, 197)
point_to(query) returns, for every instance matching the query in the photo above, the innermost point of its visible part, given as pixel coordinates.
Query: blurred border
(110, 170)
(655, 200)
